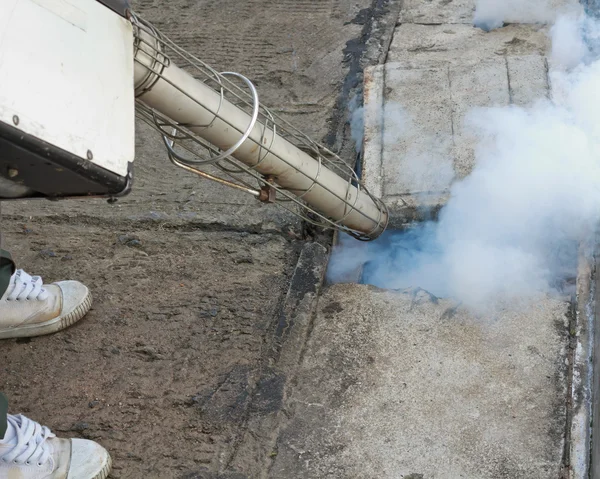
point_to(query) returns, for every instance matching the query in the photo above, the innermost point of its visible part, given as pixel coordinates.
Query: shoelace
(31, 447)
(24, 286)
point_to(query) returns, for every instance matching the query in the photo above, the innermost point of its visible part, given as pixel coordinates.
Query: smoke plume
(357, 122)
(511, 229)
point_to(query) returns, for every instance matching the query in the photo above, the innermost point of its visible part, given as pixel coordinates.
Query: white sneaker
(33, 452)
(31, 308)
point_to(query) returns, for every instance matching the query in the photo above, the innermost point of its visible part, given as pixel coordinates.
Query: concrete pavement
(402, 385)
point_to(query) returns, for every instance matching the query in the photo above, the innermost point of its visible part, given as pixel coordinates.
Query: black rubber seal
(119, 6)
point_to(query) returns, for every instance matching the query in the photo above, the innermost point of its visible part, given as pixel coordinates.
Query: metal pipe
(177, 94)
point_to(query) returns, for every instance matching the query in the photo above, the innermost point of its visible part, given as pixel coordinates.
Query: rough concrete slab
(451, 43)
(438, 11)
(582, 458)
(372, 174)
(474, 85)
(433, 12)
(401, 385)
(424, 115)
(295, 320)
(527, 79)
(436, 76)
(417, 129)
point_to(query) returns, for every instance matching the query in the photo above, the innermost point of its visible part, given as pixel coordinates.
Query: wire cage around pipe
(187, 148)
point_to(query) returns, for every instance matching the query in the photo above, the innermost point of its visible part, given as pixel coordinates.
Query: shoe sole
(103, 474)
(52, 326)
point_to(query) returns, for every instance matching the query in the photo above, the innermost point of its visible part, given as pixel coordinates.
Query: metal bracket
(268, 194)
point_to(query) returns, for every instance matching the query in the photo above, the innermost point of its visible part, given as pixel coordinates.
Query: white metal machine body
(66, 79)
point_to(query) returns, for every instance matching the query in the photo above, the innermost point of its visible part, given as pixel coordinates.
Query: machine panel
(66, 81)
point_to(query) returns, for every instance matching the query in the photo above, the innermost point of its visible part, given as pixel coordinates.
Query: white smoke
(568, 48)
(511, 229)
(357, 122)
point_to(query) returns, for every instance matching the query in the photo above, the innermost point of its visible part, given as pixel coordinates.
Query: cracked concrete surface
(402, 384)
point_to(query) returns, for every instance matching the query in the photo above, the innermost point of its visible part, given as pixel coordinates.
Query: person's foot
(31, 308)
(31, 451)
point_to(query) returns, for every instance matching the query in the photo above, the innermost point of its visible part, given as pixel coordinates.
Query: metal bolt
(12, 172)
(90, 155)
(15, 119)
